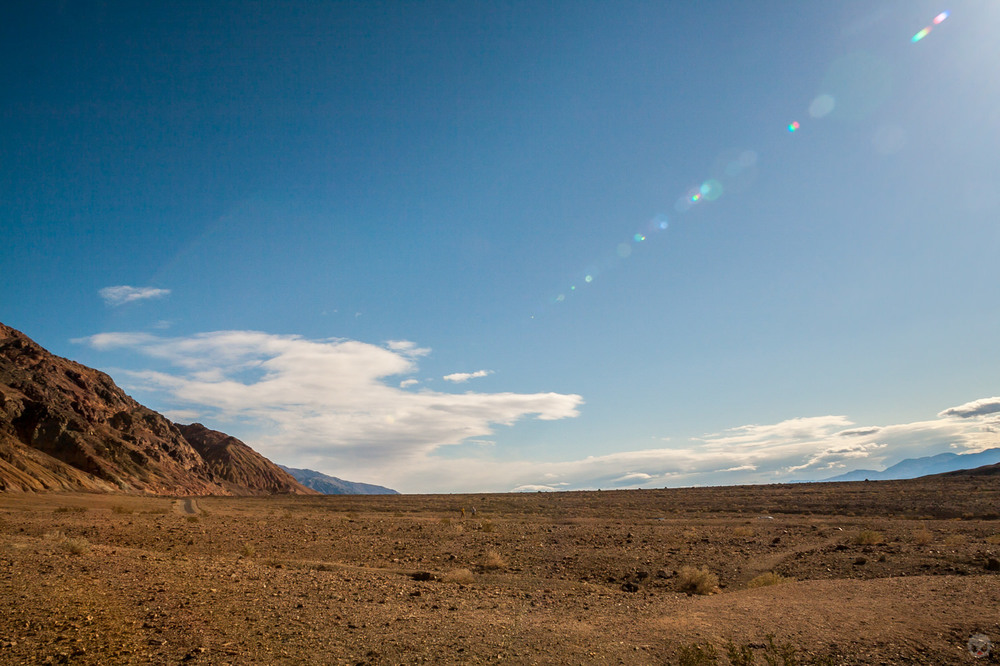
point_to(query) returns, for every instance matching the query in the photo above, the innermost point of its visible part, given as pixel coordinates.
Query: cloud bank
(122, 294)
(322, 398)
(349, 409)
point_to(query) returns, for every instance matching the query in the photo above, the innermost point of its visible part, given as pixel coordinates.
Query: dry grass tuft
(767, 579)
(867, 538)
(994, 539)
(743, 531)
(486, 526)
(118, 508)
(247, 550)
(697, 581)
(75, 546)
(922, 537)
(460, 576)
(494, 561)
(72, 545)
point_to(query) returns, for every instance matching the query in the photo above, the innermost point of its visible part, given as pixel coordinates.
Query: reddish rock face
(64, 426)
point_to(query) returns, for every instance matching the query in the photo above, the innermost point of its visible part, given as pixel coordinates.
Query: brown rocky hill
(64, 426)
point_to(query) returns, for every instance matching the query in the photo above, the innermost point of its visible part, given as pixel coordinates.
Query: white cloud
(408, 382)
(460, 377)
(324, 398)
(329, 405)
(809, 448)
(982, 407)
(122, 294)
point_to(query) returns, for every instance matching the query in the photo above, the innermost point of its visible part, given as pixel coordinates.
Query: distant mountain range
(331, 485)
(64, 426)
(912, 468)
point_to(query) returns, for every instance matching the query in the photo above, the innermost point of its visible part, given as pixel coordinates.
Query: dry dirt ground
(880, 573)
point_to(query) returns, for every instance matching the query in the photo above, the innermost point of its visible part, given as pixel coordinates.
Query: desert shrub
(75, 546)
(118, 508)
(767, 579)
(994, 539)
(247, 550)
(461, 576)
(192, 519)
(955, 540)
(776, 654)
(867, 538)
(697, 581)
(494, 560)
(486, 526)
(446, 521)
(739, 655)
(697, 655)
(922, 537)
(743, 531)
(70, 509)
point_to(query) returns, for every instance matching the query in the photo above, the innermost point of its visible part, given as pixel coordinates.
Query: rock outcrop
(64, 426)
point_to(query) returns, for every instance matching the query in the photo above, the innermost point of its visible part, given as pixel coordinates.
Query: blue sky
(485, 246)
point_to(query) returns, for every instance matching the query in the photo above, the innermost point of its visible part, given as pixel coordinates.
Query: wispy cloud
(460, 377)
(982, 407)
(325, 398)
(122, 294)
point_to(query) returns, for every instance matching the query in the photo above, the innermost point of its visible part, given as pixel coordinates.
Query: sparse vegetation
(697, 655)
(767, 579)
(192, 519)
(993, 539)
(739, 655)
(922, 537)
(494, 560)
(70, 509)
(460, 576)
(247, 550)
(697, 581)
(955, 540)
(867, 538)
(75, 545)
(121, 509)
(744, 531)
(486, 526)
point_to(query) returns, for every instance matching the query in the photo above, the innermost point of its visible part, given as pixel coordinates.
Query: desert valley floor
(883, 572)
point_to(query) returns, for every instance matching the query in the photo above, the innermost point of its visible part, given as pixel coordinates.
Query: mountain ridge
(912, 468)
(331, 485)
(65, 426)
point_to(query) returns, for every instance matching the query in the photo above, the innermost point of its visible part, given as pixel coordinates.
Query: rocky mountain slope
(331, 485)
(64, 426)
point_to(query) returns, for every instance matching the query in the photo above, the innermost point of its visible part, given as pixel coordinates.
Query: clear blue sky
(455, 246)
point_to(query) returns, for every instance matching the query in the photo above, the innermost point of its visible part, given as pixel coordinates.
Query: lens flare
(939, 19)
(822, 106)
(920, 35)
(794, 125)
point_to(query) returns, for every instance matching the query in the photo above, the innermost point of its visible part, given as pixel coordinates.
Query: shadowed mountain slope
(64, 426)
